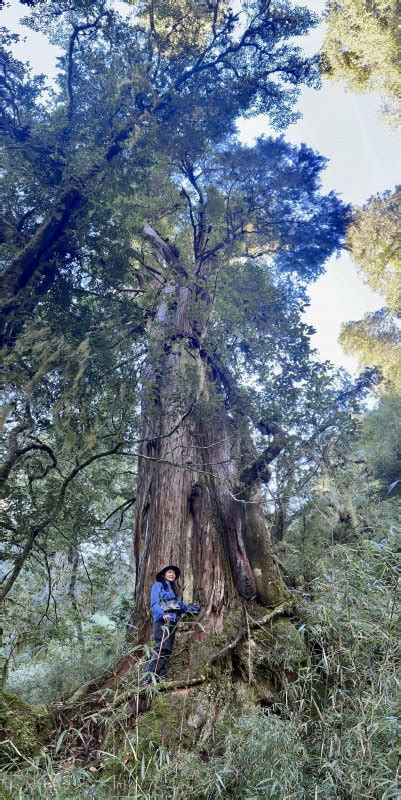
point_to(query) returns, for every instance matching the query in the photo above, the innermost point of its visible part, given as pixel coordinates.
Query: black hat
(160, 574)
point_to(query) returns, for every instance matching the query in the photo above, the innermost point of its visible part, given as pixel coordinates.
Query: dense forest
(164, 404)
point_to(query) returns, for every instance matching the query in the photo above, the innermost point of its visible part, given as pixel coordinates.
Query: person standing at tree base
(167, 609)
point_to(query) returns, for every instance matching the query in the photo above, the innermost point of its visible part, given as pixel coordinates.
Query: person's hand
(166, 618)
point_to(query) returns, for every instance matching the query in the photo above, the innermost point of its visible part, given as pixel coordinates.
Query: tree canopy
(114, 190)
(374, 243)
(362, 48)
(380, 437)
(374, 240)
(167, 91)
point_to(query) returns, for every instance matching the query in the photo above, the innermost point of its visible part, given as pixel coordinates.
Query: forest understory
(301, 705)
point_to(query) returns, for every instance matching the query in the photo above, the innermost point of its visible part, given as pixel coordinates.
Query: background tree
(323, 408)
(381, 441)
(362, 48)
(374, 242)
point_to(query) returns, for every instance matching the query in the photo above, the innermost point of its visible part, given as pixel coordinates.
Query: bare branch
(125, 506)
(35, 531)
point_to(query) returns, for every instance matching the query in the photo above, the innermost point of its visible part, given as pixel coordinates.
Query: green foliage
(376, 340)
(380, 439)
(374, 242)
(253, 756)
(362, 48)
(351, 627)
(56, 639)
(46, 672)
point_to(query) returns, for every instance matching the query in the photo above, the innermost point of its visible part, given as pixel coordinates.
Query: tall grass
(332, 736)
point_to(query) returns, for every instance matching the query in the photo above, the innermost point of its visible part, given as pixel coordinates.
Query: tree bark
(73, 561)
(190, 510)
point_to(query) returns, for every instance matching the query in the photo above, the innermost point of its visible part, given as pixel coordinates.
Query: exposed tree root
(245, 667)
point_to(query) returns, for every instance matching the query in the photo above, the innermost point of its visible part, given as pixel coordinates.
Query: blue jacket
(158, 592)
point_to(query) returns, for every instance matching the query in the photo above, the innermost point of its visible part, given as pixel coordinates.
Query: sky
(364, 157)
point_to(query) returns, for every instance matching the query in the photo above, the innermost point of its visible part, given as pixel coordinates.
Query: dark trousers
(164, 635)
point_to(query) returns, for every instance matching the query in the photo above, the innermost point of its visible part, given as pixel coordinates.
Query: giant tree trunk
(190, 511)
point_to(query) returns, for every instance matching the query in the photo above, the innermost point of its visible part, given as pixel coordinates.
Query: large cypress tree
(136, 224)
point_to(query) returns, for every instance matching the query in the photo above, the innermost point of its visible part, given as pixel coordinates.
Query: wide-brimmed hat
(160, 574)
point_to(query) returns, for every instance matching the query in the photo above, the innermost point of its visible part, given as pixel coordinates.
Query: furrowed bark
(268, 579)
(186, 511)
(189, 509)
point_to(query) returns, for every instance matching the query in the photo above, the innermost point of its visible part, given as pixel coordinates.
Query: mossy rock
(24, 728)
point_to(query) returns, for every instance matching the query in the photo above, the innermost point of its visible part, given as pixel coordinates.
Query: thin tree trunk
(21, 558)
(73, 560)
(279, 532)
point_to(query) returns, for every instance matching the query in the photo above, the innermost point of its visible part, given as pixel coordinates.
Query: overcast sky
(364, 158)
